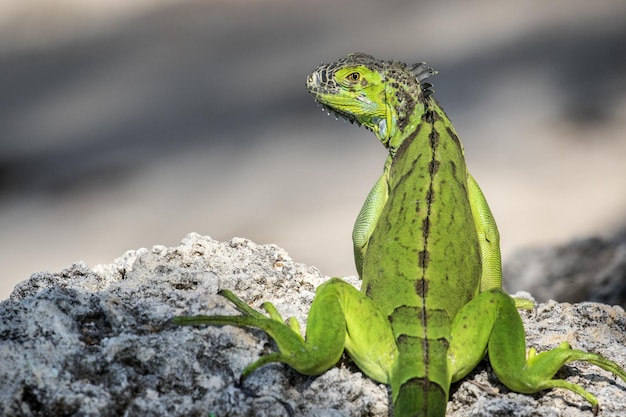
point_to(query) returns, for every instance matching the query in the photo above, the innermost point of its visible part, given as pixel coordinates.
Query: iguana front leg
(369, 215)
(489, 241)
(488, 237)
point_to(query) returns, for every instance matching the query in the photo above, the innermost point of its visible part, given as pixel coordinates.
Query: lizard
(427, 250)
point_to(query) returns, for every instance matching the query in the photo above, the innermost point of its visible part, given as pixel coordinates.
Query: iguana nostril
(312, 80)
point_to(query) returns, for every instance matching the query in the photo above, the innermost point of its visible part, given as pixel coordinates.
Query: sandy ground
(129, 127)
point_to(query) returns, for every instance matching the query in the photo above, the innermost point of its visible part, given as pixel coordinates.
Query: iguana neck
(406, 104)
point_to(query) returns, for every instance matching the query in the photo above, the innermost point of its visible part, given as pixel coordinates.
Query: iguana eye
(354, 77)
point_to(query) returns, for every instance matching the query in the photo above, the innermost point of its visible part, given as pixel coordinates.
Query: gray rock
(592, 269)
(96, 342)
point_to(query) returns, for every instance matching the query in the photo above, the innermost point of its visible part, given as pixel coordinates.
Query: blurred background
(129, 124)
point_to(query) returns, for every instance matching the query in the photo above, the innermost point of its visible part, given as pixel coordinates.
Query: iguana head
(376, 94)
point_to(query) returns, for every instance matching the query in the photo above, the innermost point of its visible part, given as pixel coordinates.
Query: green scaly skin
(427, 249)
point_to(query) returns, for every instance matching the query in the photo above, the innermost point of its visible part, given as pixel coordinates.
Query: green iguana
(427, 249)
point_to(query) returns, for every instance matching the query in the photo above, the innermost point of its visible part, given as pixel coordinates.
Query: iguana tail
(419, 397)
(419, 388)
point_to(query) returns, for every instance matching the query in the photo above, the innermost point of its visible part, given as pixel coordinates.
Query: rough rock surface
(95, 342)
(592, 269)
